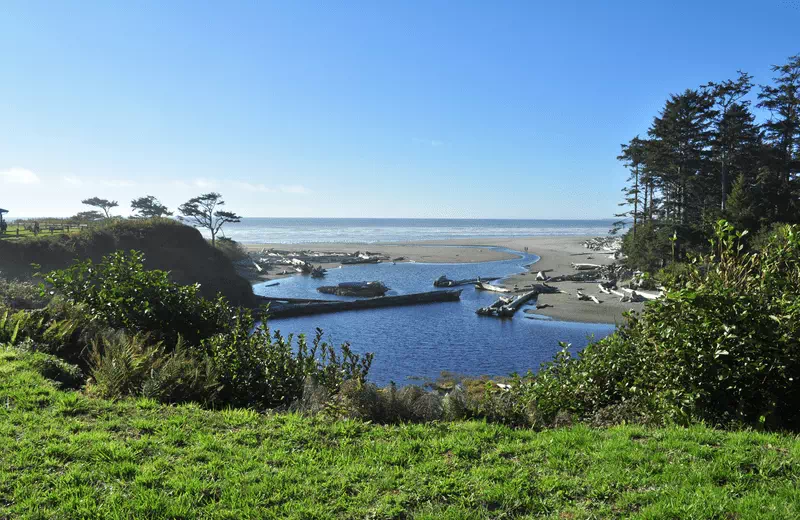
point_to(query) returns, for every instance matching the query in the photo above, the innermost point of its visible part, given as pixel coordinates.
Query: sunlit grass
(65, 455)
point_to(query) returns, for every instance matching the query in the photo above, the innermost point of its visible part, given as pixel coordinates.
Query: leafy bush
(161, 340)
(62, 329)
(20, 295)
(257, 368)
(723, 346)
(123, 295)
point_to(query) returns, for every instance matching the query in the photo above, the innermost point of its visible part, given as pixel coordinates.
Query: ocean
(376, 230)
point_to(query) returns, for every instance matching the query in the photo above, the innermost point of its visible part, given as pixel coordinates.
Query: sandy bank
(556, 256)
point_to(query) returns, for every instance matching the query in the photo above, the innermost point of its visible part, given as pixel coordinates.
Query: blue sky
(355, 109)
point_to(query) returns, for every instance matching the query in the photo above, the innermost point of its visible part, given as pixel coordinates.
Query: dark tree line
(706, 157)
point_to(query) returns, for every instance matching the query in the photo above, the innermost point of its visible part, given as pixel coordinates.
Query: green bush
(123, 295)
(258, 368)
(132, 365)
(20, 295)
(723, 346)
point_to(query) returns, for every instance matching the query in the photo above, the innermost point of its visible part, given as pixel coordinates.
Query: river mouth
(423, 341)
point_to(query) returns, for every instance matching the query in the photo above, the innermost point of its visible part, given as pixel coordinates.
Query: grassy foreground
(65, 455)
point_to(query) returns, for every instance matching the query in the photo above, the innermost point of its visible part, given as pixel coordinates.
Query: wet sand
(556, 256)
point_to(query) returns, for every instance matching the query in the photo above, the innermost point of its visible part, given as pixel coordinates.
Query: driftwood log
(586, 267)
(481, 286)
(587, 297)
(362, 289)
(278, 310)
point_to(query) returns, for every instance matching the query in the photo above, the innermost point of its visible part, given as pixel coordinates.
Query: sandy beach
(556, 256)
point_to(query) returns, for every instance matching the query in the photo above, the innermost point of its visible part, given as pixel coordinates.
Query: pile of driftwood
(506, 307)
(444, 281)
(627, 294)
(483, 286)
(364, 258)
(360, 289)
(301, 261)
(607, 243)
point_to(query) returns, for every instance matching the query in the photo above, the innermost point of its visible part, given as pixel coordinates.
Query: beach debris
(506, 308)
(360, 289)
(642, 294)
(583, 276)
(297, 307)
(483, 286)
(363, 258)
(398, 259)
(318, 272)
(444, 281)
(299, 259)
(273, 284)
(606, 243)
(587, 297)
(585, 267)
(541, 276)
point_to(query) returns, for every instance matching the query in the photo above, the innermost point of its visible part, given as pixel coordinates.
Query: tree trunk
(724, 184)
(635, 199)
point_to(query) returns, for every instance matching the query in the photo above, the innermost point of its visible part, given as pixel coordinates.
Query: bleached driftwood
(258, 267)
(584, 276)
(541, 276)
(645, 295)
(587, 297)
(481, 286)
(585, 267)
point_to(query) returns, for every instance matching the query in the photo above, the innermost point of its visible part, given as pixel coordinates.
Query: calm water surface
(422, 341)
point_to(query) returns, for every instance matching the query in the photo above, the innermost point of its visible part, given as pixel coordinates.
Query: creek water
(421, 342)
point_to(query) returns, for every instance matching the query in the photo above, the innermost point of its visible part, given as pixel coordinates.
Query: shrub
(232, 249)
(131, 365)
(62, 329)
(723, 346)
(258, 368)
(123, 295)
(20, 295)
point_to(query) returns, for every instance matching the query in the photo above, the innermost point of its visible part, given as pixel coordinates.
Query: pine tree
(783, 131)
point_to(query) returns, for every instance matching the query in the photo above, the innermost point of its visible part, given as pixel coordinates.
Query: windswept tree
(103, 204)
(149, 207)
(202, 212)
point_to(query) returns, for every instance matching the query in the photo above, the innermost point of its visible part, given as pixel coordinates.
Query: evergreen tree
(783, 133)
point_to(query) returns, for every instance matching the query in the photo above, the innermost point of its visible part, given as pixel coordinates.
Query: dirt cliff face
(166, 244)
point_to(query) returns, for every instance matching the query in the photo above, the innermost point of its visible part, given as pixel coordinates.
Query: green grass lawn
(65, 455)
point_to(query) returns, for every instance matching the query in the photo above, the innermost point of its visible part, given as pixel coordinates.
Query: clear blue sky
(345, 109)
